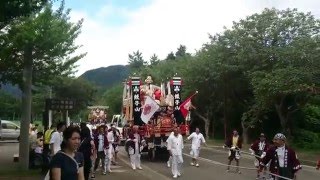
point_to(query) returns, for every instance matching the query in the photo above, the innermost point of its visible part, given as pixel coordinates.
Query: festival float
(97, 116)
(155, 110)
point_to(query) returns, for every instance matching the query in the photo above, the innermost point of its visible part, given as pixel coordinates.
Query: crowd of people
(75, 152)
(278, 157)
(78, 152)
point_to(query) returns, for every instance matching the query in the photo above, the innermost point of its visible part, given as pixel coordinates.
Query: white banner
(149, 108)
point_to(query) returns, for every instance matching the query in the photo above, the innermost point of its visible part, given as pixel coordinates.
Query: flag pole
(195, 93)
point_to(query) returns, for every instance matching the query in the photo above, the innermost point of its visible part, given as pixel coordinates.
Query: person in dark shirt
(67, 164)
(86, 147)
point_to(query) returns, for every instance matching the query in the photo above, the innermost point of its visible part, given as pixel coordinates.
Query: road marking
(118, 170)
(124, 158)
(309, 168)
(116, 166)
(218, 163)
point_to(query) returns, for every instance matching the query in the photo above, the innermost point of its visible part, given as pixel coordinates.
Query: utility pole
(50, 111)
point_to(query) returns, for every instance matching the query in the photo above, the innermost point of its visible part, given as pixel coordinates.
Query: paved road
(7, 150)
(210, 167)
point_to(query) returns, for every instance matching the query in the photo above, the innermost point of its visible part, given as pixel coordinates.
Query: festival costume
(102, 150)
(175, 146)
(234, 144)
(197, 139)
(259, 148)
(283, 159)
(133, 146)
(169, 162)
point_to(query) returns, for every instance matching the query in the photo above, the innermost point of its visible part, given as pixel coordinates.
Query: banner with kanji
(136, 103)
(176, 84)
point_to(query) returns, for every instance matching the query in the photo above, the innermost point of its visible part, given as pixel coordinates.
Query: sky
(114, 28)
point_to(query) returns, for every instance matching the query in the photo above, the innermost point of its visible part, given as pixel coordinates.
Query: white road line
(219, 163)
(309, 168)
(124, 158)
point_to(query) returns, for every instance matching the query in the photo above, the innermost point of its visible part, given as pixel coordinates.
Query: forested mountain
(107, 76)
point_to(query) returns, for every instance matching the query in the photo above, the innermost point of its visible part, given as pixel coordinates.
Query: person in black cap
(284, 161)
(259, 149)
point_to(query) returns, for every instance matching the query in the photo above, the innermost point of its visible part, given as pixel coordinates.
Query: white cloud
(164, 24)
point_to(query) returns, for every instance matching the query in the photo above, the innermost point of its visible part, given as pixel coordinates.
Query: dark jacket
(291, 161)
(96, 141)
(229, 142)
(255, 147)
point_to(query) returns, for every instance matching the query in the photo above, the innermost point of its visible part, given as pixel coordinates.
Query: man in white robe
(175, 146)
(135, 158)
(196, 139)
(170, 157)
(109, 151)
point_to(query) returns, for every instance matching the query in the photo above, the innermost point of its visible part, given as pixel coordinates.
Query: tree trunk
(282, 116)
(212, 125)
(206, 123)
(26, 109)
(206, 128)
(244, 133)
(225, 115)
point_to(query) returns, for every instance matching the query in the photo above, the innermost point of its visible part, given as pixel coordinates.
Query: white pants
(176, 167)
(135, 160)
(107, 162)
(108, 158)
(195, 153)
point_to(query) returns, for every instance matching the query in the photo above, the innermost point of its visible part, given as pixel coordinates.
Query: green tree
(9, 106)
(34, 50)
(261, 57)
(112, 98)
(77, 89)
(154, 60)
(171, 56)
(136, 61)
(278, 52)
(181, 51)
(13, 9)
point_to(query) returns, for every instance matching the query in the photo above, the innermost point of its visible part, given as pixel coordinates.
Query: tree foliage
(34, 50)
(50, 37)
(261, 74)
(77, 89)
(9, 106)
(136, 61)
(154, 60)
(11, 10)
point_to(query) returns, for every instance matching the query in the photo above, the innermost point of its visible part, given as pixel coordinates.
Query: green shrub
(304, 139)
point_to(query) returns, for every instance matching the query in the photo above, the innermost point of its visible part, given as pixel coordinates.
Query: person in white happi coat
(175, 146)
(109, 151)
(135, 158)
(196, 139)
(170, 157)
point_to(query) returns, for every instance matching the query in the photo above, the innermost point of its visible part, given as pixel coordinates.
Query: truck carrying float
(155, 110)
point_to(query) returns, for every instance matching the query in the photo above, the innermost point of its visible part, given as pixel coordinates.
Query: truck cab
(118, 121)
